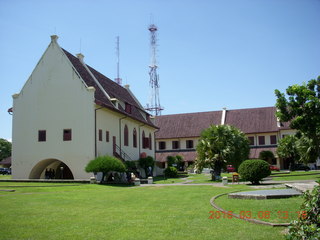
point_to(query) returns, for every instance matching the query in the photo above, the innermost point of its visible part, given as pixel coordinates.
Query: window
(273, 139)
(189, 143)
(261, 140)
(100, 135)
(150, 141)
(251, 140)
(145, 141)
(67, 135)
(134, 135)
(42, 135)
(126, 135)
(175, 145)
(107, 136)
(127, 107)
(162, 145)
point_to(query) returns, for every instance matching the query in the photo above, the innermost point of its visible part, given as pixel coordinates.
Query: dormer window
(128, 108)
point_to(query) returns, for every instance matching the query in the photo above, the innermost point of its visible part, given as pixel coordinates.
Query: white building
(67, 113)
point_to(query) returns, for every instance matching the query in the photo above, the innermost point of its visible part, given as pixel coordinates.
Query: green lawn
(87, 211)
(297, 175)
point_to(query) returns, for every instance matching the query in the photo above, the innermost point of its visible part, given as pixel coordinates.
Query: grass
(269, 210)
(297, 175)
(5, 177)
(87, 211)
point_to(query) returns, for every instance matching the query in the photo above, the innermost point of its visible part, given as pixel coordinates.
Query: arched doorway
(56, 168)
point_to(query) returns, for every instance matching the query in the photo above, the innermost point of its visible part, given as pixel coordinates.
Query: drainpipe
(120, 132)
(95, 131)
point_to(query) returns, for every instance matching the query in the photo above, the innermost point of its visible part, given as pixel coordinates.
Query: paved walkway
(300, 185)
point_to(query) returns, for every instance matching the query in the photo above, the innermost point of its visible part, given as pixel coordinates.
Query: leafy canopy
(105, 164)
(219, 145)
(5, 148)
(302, 110)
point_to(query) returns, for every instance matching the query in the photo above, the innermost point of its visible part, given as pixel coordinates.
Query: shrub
(105, 164)
(171, 160)
(308, 225)
(147, 164)
(171, 172)
(254, 170)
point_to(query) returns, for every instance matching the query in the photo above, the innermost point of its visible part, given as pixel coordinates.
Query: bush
(171, 172)
(308, 225)
(105, 164)
(254, 170)
(171, 160)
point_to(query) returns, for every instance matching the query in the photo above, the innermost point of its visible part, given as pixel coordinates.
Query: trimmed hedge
(171, 172)
(254, 170)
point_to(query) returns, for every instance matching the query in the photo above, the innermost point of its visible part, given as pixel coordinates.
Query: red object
(230, 168)
(274, 168)
(143, 155)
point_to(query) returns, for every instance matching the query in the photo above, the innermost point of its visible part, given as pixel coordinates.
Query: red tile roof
(187, 156)
(185, 125)
(251, 120)
(113, 89)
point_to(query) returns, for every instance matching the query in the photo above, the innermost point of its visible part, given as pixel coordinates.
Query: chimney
(54, 38)
(223, 116)
(80, 56)
(127, 86)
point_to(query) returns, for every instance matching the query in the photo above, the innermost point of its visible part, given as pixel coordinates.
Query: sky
(211, 53)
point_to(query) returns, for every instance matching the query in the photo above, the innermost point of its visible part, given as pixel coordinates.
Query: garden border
(255, 221)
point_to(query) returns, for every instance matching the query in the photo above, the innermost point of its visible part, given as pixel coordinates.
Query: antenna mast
(118, 79)
(154, 106)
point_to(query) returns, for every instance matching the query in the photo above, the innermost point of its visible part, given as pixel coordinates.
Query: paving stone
(265, 194)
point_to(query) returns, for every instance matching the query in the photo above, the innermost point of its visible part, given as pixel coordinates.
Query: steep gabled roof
(185, 125)
(113, 89)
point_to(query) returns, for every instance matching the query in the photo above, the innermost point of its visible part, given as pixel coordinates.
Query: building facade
(179, 133)
(67, 113)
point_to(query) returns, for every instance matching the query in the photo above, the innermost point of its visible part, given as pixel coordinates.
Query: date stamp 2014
(257, 215)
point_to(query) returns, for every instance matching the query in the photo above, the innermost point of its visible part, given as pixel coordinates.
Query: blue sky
(211, 54)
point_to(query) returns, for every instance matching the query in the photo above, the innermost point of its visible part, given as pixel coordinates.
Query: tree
(171, 160)
(5, 148)
(105, 164)
(180, 162)
(254, 170)
(147, 164)
(302, 110)
(266, 155)
(219, 145)
(287, 148)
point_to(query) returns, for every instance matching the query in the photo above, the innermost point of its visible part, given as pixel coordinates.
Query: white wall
(108, 120)
(54, 98)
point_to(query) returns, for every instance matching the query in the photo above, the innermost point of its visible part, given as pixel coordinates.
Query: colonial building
(179, 133)
(67, 113)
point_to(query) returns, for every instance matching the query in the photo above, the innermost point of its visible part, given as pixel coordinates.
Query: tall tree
(220, 145)
(302, 109)
(288, 149)
(5, 148)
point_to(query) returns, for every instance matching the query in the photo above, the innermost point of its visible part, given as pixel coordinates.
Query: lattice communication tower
(154, 106)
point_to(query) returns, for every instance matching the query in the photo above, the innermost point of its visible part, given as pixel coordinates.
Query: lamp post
(61, 168)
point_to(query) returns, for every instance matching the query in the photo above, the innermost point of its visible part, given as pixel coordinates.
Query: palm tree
(219, 145)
